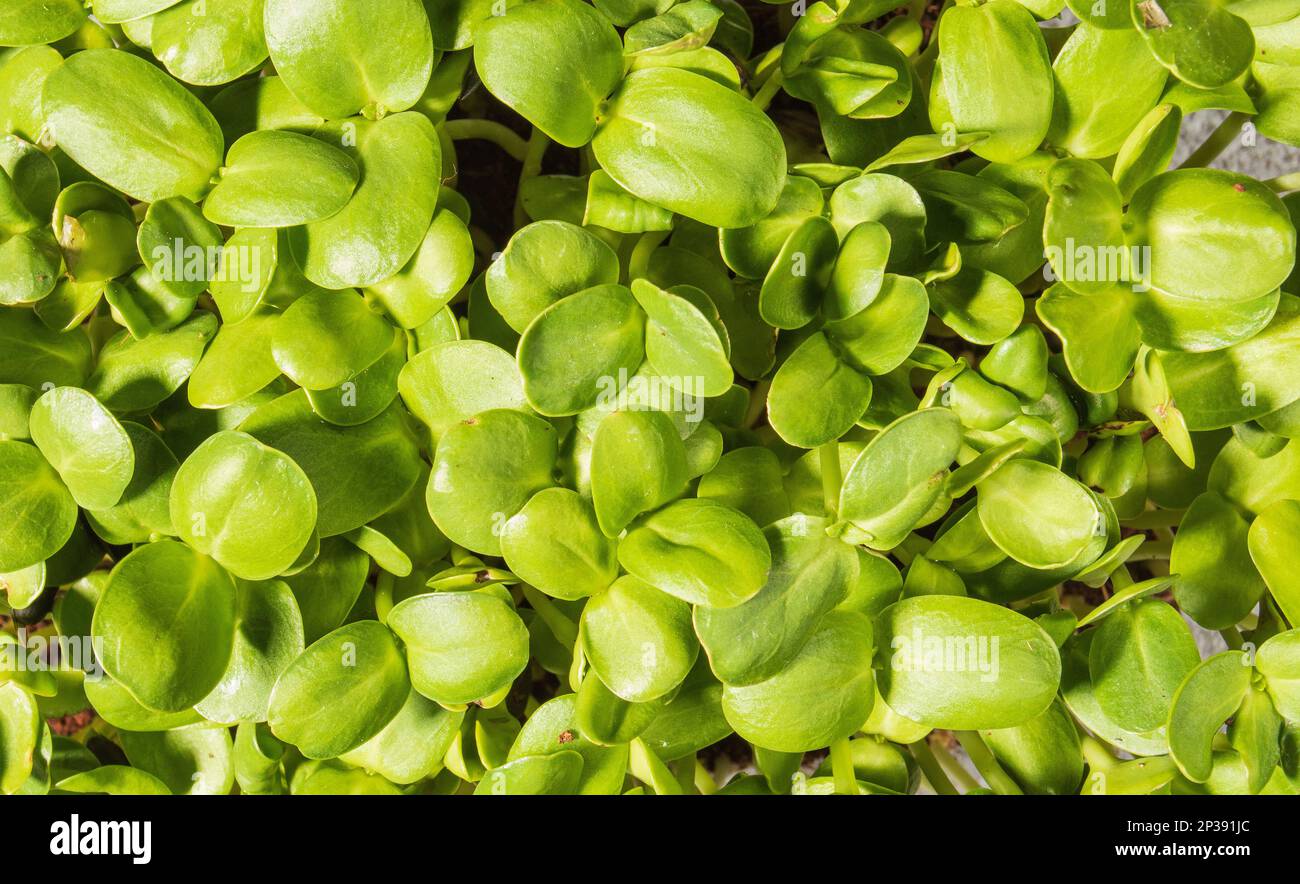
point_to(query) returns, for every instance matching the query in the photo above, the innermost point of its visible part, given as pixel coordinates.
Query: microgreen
(526, 397)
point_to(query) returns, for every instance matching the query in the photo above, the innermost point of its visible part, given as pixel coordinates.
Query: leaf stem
(828, 457)
(1218, 141)
(639, 261)
(953, 767)
(1156, 519)
(470, 129)
(1284, 183)
(560, 625)
(1232, 637)
(769, 89)
(537, 145)
(930, 766)
(986, 764)
(846, 778)
(757, 402)
(1152, 549)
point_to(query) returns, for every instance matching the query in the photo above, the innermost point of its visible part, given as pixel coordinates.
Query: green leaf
(638, 640)
(548, 35)
(485, 469)
(385, 221)
(85, 444)
(1208, 696)
(649, 440)
(341, 691)
(683, 142)
(461, 646)
(1218, 584)
(1038, 515)
(37, 514)
(1139, 657)
(280, 179)
(961, 663)
(341, 58)
(130, 125)
(811, 574)
(167, 618)
(825, 693)
(993, 76)
(699, 551)
(555, 544)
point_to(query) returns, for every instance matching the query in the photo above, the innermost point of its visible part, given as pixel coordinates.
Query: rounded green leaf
(559, 773)
(816, 396)
(555, 544)
(20, 731)
(326, 338)
(237, 364)
(879, 337)
(136, 374)
(561, 380)
(436, 272)
(649, 440)
(461, 646)
(381, 227)
(358, 473)
(452, 381)
(961, 663)
(412, 745)
(190, 761)
(85, 444)
(1043, 755)
(1207, 697)
(1089, 118)
(1200, 41)
(167, 619)
(811, 574)
(144, 509)
(699, 551)
(553, 727)
(485, 469)
(543, 263)
(1038, 515)
(209, 42)
(37, 514)
(684, 142)
(900, 474)
(342, 690)
(993, 75)
(132, 126)
(113, 779)
(682, 345)
(825, 693)
(1242, 382)
(31, 22)
(549, 35)
(638, 639)
(1217, 584)
(340, 58)
(799, 276)
(1137, 659)
(1246, 254)
(280, 179)
(751, 250)
(245, 504)
(1276, 531)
